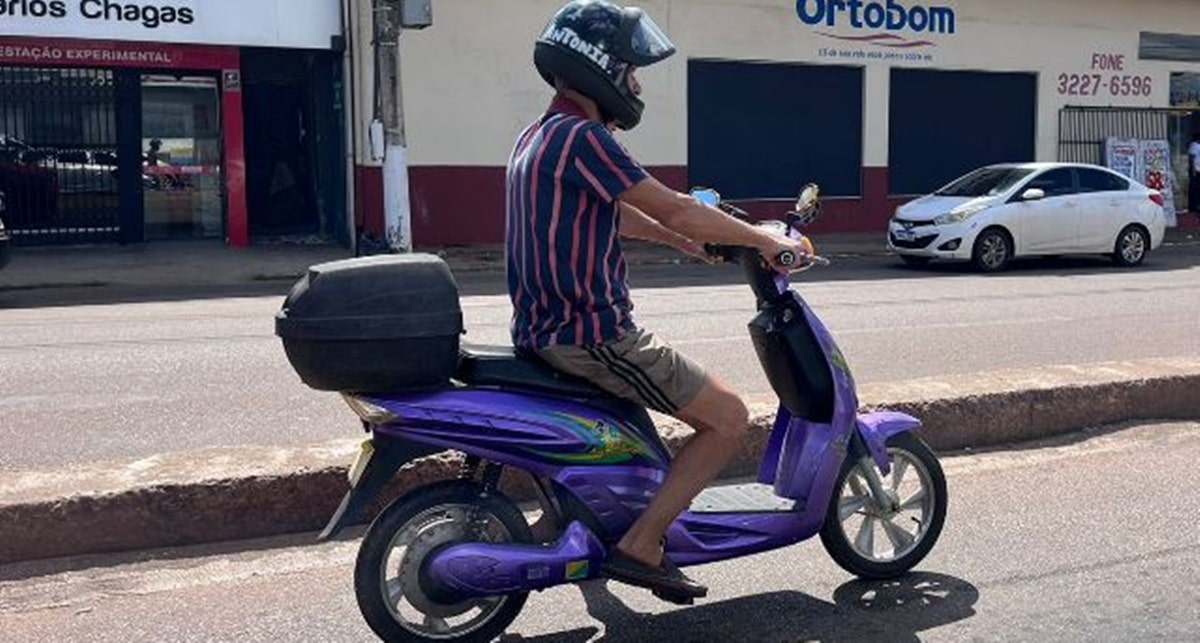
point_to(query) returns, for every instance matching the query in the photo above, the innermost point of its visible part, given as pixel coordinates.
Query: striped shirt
(566, 269)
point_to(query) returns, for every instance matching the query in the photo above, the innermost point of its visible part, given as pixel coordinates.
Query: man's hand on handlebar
(783, 253)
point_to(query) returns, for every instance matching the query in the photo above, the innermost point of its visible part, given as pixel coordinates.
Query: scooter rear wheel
(881, 542)
(387, 572)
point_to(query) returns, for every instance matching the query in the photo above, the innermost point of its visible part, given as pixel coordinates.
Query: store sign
(1108, 76)
(306, 24)
(889, 15)
(97, 53)
(877, 24)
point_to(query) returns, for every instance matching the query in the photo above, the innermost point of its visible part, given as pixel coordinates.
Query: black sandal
(666, 581)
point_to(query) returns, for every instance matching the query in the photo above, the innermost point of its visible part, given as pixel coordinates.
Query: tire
(846, 544)
(914, 260)
(993, 250)
(439, 514)
(1131, 247)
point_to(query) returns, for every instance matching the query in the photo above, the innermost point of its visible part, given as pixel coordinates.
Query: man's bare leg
(720, 419)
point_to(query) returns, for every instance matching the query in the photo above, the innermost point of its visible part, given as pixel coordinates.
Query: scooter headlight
(370, 413)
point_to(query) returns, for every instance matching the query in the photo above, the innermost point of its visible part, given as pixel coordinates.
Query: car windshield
(988, 181)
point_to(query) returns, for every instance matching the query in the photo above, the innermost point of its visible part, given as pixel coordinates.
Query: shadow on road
(894, 611)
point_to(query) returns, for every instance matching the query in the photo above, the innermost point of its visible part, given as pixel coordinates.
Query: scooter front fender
(876, 428)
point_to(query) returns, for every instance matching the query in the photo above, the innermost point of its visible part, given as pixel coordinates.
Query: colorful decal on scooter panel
(577, 570)
(839, 360)
(605, 443)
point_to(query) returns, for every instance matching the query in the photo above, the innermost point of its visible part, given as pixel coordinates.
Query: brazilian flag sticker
(577, 570)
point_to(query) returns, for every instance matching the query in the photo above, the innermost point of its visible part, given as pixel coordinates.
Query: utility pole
(391, 18)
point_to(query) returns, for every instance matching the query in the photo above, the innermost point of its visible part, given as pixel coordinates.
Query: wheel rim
(885, 534)
(407, 603)
(1133, 246)
(993, 251)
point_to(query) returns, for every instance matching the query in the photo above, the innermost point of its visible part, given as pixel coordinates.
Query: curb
(231, 494)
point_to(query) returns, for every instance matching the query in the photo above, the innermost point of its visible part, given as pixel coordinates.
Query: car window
(1100, 181)
(1057, 182)
(988, 181)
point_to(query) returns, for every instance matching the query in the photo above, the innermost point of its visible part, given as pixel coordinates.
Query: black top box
(373, 324)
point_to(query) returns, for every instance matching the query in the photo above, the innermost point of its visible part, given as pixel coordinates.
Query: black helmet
(592, 45)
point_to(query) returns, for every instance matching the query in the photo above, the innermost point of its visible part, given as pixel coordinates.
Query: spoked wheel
(1131, 248)
(884, 540)
(992, 252)
(387, 575)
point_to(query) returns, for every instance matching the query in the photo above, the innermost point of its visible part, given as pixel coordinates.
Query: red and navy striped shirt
(566, 269)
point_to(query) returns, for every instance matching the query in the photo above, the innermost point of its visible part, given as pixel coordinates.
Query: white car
(1003, 211)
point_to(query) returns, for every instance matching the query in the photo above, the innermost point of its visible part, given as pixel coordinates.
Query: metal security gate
(1082, 131)
(58, 154)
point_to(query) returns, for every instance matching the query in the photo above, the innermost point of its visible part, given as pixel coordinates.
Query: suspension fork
(867, 466)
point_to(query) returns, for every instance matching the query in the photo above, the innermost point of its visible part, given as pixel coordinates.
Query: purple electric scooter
(455, 560)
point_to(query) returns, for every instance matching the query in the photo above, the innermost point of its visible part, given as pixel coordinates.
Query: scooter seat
(504, 366)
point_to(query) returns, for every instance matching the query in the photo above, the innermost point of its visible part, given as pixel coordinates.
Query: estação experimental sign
(886, 15)
(309, 24)
(151, 16)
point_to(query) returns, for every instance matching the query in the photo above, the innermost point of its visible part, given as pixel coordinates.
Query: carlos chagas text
(150, 16)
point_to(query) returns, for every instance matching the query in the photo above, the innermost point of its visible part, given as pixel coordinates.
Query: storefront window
(181, 143)
(58, 163)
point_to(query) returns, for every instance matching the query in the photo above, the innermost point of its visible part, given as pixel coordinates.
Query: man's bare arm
(684, 215)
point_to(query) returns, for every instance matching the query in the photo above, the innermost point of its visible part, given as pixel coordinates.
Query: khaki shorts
(636, 367)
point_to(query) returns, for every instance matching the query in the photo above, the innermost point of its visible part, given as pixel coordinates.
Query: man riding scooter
(573, 191)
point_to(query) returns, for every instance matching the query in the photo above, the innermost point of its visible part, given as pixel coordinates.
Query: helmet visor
(648, 44)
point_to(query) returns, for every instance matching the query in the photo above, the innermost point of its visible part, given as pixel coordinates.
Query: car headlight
(958, 215)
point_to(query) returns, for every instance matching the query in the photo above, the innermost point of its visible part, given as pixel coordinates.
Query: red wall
(456, 205)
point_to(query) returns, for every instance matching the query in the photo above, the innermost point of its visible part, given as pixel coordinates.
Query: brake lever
(729, 208)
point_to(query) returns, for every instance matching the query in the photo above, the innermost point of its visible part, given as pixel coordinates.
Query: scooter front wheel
(387, 574)
(877, 539)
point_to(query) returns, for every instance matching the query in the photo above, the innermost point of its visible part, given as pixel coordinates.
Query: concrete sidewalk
(236, 493)
(210, 263)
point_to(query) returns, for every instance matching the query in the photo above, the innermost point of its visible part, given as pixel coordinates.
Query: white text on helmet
(567, 36)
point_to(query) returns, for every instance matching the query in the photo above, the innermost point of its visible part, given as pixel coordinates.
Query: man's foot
(665, 580)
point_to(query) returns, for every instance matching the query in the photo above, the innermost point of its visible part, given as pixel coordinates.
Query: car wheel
(993, 250)
(1132, 245)
(915, 261)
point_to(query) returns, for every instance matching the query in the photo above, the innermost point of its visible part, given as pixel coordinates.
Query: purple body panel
(615, 469)
(473, 570)
(877, 427)
(616, 495)
(531, 432)
(698, 538)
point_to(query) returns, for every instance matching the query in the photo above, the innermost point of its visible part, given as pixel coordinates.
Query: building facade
(878, 100)
(135, 120)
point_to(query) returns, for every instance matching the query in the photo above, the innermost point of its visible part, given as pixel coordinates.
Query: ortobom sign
(887, 16)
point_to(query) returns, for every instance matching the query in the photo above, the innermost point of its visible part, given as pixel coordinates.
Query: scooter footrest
(741, 498)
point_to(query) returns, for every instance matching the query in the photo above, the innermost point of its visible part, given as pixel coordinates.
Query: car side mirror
(1033, 194)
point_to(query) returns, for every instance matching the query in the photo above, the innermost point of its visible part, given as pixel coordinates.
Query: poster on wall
(1154, 166)
(1121, 155)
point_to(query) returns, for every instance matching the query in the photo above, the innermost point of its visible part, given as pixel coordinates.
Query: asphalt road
(98, 374)
(1085, 540)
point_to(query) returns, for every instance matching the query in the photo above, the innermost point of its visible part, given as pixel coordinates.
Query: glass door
(181, 157)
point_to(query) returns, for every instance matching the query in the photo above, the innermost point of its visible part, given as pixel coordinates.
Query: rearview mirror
(707, 196)
(808, 205)
(808, 199)
(1033, 194)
